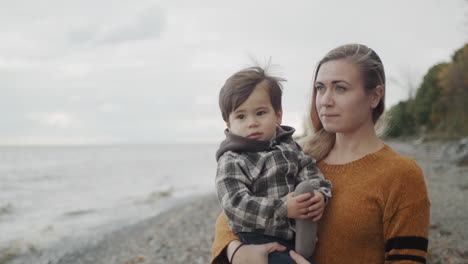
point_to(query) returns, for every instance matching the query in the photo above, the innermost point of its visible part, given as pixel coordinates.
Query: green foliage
(401, 121)
(426, 96)
(452, 105)
(441, 102)
(460, 55)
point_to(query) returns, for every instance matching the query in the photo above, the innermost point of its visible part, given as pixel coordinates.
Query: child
(259, 166)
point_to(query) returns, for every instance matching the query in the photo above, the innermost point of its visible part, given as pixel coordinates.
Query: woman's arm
(406, 218)
(223, 236)
(406, 234)
(226, 242)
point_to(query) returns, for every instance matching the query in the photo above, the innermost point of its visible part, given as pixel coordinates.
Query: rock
(456, 152)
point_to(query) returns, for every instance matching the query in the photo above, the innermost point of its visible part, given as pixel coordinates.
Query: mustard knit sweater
(379, 213)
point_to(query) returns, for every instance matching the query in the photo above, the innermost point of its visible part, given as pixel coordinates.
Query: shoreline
(179, 234)
(184, 232)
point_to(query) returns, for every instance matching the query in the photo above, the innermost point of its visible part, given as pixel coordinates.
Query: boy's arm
(238, 202)
(308, 171)
(298, 205)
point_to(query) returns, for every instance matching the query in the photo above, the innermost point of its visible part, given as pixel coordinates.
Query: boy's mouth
(255, 135)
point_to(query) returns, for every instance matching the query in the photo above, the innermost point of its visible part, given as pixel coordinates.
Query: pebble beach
(184, 233)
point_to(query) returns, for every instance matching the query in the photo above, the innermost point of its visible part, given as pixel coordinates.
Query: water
(49, 193)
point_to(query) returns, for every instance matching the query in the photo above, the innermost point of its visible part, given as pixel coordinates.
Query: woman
(380, 209)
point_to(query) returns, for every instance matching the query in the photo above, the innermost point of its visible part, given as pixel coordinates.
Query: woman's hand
(298, 258)
(252, 254)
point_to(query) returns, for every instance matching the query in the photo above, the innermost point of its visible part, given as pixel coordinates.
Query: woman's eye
(319, 88)
(340, 88)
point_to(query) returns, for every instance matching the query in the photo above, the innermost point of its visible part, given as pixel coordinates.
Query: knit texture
(379, 213)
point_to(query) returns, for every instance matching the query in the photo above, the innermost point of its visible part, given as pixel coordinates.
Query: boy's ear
(279, 117)
(227, 124)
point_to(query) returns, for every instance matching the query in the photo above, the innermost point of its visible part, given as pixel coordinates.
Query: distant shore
(184, 233)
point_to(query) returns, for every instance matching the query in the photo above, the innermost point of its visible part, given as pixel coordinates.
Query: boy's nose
(253, 122)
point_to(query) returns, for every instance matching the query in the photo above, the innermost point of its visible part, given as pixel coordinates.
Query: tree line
(440, 105)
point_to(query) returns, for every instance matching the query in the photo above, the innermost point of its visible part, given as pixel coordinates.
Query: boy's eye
(240, 116)
(259, 113)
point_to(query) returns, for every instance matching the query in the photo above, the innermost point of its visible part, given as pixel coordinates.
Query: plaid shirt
(252, 186)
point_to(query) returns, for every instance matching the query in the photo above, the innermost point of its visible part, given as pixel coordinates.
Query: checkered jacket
(252, 186)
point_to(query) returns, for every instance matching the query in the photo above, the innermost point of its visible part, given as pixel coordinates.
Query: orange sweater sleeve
(223, 236)
(406, 222)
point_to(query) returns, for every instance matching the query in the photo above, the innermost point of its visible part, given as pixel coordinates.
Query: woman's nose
(326, 99)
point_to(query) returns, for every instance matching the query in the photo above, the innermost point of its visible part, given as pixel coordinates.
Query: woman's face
(341, 102)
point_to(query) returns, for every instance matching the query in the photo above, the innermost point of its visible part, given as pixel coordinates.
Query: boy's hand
(298, 206)
(317, 207)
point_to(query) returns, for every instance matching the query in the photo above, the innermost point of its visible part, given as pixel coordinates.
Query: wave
(79, 212)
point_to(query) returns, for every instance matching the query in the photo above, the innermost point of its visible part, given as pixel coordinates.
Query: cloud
(110, 108)
(206, 99)
(146, 25)
(57, 119)
(150, 71)
(55, 30)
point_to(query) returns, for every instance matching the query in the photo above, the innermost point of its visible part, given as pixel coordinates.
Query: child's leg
(277, 257)
(306, 230)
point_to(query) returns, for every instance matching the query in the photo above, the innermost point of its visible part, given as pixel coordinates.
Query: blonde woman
(380, 209)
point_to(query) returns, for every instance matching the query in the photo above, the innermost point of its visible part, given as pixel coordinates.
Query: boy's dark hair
(239, 86)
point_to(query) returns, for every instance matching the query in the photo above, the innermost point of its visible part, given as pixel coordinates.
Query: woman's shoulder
(400, 163)
(402, 172)
(404, 183)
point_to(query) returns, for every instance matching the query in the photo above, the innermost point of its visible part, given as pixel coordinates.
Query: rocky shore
(184, 234)
(446, 171)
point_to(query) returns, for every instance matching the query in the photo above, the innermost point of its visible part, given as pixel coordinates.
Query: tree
(401, 122)
(426, 96)
(452, 106)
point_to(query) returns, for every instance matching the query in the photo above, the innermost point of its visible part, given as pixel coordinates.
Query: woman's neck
(352, 146)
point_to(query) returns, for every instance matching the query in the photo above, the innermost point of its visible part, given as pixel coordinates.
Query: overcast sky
(125, 71)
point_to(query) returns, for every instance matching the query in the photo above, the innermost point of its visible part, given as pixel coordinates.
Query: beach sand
(184, 233)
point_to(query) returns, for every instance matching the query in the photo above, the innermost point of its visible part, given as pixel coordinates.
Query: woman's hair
(320, 143)
(240, 85)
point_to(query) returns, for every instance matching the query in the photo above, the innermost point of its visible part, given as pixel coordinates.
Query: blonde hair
(320, 143)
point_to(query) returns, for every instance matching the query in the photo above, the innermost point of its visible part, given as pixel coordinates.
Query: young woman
(380, 209)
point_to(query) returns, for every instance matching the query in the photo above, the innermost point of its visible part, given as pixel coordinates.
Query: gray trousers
(306, 229)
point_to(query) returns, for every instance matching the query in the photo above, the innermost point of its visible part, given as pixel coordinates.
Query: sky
(130, 72)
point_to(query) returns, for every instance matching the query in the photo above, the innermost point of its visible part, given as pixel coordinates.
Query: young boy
(260, 165)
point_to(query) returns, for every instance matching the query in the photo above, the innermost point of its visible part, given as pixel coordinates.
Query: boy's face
(255, 118)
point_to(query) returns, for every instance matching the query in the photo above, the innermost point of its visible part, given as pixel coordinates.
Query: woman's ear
(377, 95)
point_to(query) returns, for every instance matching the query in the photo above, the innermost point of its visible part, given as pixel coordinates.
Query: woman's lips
(329, 115)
